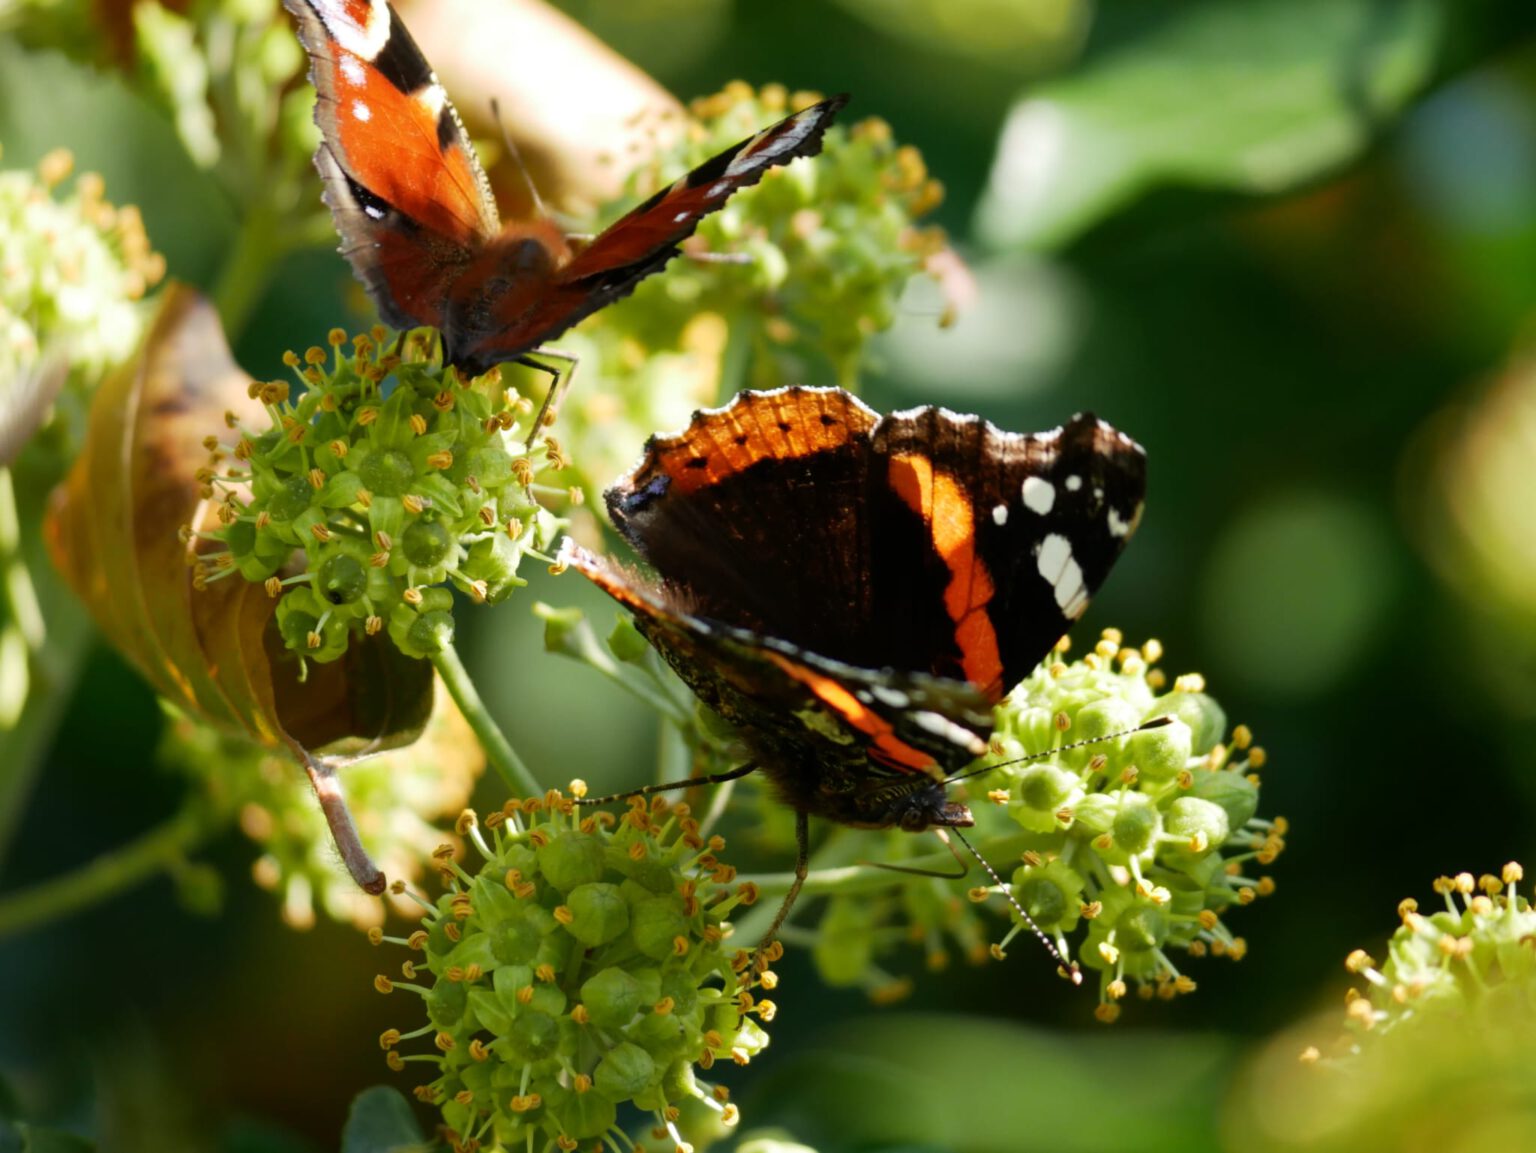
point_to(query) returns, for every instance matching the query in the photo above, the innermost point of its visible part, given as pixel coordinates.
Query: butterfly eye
(915, 819)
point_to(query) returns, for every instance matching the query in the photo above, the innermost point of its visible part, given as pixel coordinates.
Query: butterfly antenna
(517, 158)
(1154, 723)
(1069, 969)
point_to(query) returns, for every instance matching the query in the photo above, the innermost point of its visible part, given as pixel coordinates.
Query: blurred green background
(1289, 245)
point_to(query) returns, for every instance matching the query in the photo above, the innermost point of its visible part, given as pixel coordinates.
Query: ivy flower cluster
(72, 268)
(584, 964)
(1437, 1044)
(1129, 846)
(1146, 838)
(395, 480)
(783, 285)
(1469, 960)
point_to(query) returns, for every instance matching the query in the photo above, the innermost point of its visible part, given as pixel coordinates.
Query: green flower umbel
(396, 480)
(72, 270)
(1147, 837)
(1126, 847)
(1438, 1044)
(583, 965)
(1463, 961)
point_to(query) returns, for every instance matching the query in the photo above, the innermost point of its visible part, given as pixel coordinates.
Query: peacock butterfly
(417, 219)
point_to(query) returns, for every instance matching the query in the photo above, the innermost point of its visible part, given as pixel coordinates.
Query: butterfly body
(417, 219)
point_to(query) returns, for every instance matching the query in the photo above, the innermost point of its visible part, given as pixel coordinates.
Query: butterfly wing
(646, 238)
(405, 189)
(789, 701)
(922, 541)
(1019, 533)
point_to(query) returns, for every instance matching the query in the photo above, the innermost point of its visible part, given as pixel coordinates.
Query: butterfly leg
(559, 383)
(667, 786)
(760, 957)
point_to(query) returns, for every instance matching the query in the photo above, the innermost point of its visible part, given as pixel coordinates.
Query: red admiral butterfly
(417, 219)
(855, 592)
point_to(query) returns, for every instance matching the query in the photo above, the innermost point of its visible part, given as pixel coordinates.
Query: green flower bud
(1160, 754)
(426, 543)
(1051, 894)
(572, 859)
(1039, 793)
(342, 580)
(291, 499)
(429, 633)
(494, 561)
(1206, 719)
(1235, 793)
(658, 921)
(1136, 826)
(1194, 819)
(612, 997)
(386, 472)
(625, 1071)
(598, 914)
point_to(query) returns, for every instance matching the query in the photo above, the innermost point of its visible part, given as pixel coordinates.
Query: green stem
(18, 597)
(858, 878)
(111, 873)
(248, 269)
(498, 751)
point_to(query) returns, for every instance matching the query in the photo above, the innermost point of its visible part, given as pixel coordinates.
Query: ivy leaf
(1254, 97)
(381, 1121)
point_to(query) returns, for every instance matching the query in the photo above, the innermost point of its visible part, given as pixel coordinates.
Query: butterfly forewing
(1021, 532)
(402, 180)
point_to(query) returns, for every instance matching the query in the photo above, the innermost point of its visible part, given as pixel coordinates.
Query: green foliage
(1254, 97)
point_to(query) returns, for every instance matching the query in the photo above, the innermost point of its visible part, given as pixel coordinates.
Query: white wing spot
(941, 726)
(680, 217)
(717, 189)
(367, 39)
(433, 97)
(352, 71)
(1039, 495)
(1074, 482)
(361, 111)
(895, 698)
(1000, 515)
(1117, 526)
(1060, 571)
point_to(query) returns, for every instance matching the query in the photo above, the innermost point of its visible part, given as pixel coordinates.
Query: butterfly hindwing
(405, 188)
